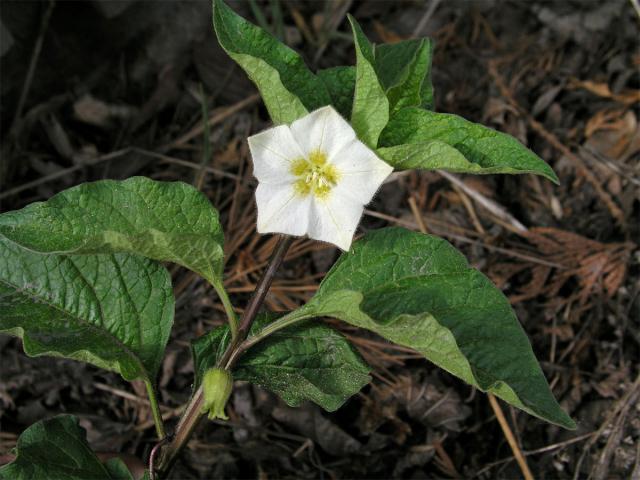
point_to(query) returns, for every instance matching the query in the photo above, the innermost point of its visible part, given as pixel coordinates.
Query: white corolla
(315, 177)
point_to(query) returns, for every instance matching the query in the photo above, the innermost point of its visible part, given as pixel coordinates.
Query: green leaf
(341, 83)
(57, 449)
(164, 221)
(119, 470)
(370, 105)
(309, 361)
(289, 89)
(404, 70)
(490, 150)
(433, 155)
(418, 291)
(114, 311)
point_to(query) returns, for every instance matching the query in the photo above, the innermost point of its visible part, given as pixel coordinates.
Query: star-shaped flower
(315, 177)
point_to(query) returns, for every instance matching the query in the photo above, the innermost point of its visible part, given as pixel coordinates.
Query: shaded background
(111, 89)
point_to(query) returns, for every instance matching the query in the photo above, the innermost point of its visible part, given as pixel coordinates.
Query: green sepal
(217, 385)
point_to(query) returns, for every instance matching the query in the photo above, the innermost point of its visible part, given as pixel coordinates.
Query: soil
(104, 89)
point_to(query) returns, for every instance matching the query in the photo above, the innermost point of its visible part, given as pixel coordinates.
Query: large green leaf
(404, 70)
(164, 221)
(310, 361)
(289, 89)
(114, 311)
(370, 104)
(418, 291)
(489, 150)
(341, 83)
(432, 155)
(57, 449)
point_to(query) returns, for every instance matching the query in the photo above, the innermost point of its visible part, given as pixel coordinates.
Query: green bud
(216, 385)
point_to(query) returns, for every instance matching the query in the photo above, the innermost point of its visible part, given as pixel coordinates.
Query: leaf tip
(551, 175)
(355, 27)
(567, 422)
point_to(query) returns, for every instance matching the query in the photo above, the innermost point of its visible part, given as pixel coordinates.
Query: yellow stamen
(315, 175)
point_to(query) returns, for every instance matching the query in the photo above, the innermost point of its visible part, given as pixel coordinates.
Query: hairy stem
(257, 298)
(193, 411)
(280, 250)
(155, 409)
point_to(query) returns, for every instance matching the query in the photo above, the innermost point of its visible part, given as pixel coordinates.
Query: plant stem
(283, 322)
(228, 309)
(255, 302)
(193, 411)
(155, 409)
(187, 424)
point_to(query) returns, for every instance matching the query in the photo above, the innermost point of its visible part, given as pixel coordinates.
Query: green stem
(283, 322)
(155, 409)
(232, 318)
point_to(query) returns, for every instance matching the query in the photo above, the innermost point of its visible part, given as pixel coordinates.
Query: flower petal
(281, 209)
(323, 129)
(361, 172)
(273, 151)
(335, 219)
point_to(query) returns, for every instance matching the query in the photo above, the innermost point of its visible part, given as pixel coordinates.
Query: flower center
(315, 175)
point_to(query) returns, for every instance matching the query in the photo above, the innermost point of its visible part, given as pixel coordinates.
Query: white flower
(314, 178)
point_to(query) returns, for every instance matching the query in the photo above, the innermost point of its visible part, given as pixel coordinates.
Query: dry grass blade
(186, 163)
(548, 448)
(444, 229)
(582, 169)
(428, 13)
(64, 172)
(599, 267)
(515, 448)
(214, 119)
(416, 213)
(33, 63)
(620, 409)
(491, 205)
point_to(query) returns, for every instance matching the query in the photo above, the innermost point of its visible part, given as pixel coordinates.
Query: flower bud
(216, 385)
